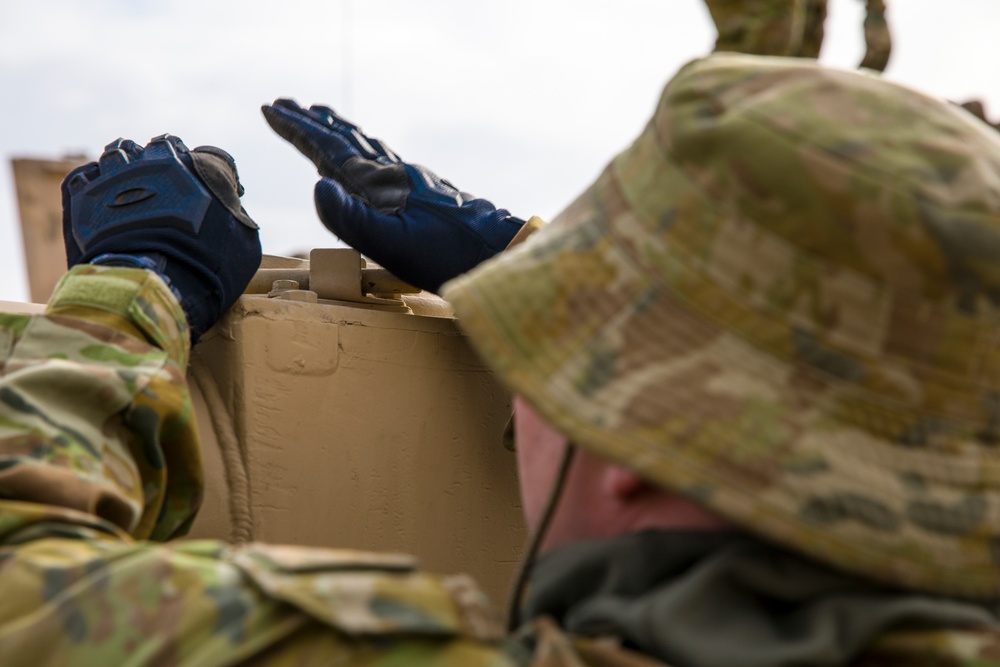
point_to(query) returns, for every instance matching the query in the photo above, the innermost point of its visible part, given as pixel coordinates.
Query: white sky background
(521, 101)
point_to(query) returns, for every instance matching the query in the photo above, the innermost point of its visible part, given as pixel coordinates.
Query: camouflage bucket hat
(782, 301)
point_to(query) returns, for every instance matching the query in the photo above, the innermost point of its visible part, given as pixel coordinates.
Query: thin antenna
(347, 64)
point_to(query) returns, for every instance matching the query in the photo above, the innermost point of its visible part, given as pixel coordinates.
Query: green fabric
(97, 291)
(94, 600)
(139, 297)
(704, 599)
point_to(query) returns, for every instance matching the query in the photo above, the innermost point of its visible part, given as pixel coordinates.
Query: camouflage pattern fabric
(98, 448)
(878, 41)
(781, 301)
(769, 27)
(977, 109)
(792, 28)
(96, 419)
(108, 602)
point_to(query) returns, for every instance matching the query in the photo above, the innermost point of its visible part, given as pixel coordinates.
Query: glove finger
(349, 218)
(321, 143)
(386, 154)
(133, 150)
(217, 170)
(432, 187)
(164, 146)
(328, 116)
(227, 159)
(369, 146)
(215, 150)
(325, 120)
(117, 154)
(80, 177)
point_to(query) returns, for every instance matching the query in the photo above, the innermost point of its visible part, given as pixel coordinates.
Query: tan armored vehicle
(336, 408)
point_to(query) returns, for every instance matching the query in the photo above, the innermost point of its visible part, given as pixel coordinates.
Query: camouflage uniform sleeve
(533, 224)
(793, 28)
(186, 602)
(769, 27)
(96, 424)
(878, 40)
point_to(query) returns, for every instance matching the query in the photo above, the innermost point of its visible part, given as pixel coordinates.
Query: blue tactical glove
(168, 209)
(415, 224)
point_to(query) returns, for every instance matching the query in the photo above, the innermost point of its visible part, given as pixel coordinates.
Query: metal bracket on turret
(338, 276)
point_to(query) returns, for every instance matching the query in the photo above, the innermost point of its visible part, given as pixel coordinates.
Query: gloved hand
(415, 224)
(168, 209)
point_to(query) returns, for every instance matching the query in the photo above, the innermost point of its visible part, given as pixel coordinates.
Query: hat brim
(615, 358)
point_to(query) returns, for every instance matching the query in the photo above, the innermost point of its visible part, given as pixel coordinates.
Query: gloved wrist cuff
(130, 261)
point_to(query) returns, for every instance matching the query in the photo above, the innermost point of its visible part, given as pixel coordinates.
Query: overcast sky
(521, 101)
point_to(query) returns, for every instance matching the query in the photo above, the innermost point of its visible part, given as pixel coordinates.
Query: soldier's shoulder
(367, 593)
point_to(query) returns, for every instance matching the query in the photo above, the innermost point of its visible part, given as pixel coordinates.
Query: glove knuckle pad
(148, 192)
